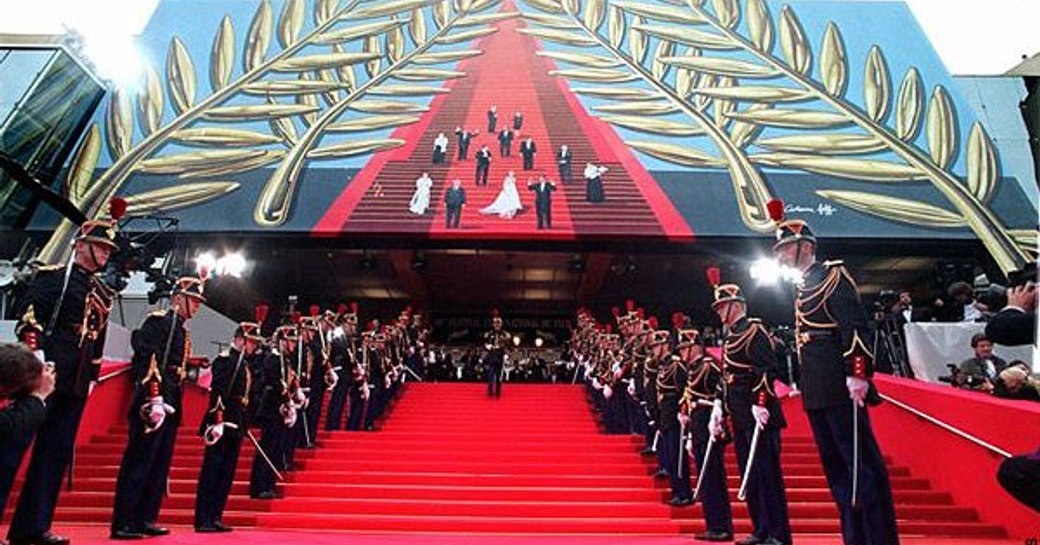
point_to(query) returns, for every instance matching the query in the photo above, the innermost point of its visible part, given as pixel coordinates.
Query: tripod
(887, 336)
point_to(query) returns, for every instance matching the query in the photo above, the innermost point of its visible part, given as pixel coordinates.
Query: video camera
(140, 251)
(960, 380)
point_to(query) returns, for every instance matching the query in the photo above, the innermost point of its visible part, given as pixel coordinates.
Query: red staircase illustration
(448, 459)
(512, 77)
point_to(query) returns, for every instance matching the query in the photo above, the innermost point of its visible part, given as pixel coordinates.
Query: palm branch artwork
(725, 72)
(297, 82)
(729, 70)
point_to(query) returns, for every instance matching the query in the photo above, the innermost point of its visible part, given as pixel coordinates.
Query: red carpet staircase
(511, 76)
(449, 459)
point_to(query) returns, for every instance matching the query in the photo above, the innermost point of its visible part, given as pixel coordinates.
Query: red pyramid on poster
(513, 77)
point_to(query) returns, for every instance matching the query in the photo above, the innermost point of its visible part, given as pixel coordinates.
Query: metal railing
(948, 427)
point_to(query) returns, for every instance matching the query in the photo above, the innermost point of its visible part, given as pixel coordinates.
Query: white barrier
(930, 346)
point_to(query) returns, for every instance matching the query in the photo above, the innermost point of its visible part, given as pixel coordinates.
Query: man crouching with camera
(25, 383)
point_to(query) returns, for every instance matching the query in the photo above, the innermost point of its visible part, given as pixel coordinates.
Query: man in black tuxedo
(563, 163)
(1015, 324)
(492, 118)
(483, 165)
(464, 137)
(505, 142)
(543, 189)
(528, 149)
(518, 120)
(454, 200)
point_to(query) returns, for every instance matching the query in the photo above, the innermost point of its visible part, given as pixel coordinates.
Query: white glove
(366, 390)
(761, 415)
(596, 384)
(684, 419)
(288, 412)
(715, 421)
(154, 412)
(331, 377)
(386, 382)
(215, 432)
(689, 446)
(607, 391)
(857, 389)
(299, 398)
(631, 389)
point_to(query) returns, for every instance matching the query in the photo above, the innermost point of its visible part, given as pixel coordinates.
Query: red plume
(341, 308)
(678, 319)
(203, 273)
(408, 309)
(494, 313)
(260, 313)
(615, 311)
(610, 328)
(372, 325)
(653, 322)
(353, 307)
(315, 310)
(714, 276)
(639, 313)
(295, 317)
(630, 305)
(776, 210)
(117, 208)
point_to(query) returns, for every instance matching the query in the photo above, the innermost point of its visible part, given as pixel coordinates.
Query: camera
(995, 295)
(140, 252)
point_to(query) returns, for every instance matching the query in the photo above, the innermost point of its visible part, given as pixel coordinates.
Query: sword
(657, 435)
(678, 459)
(742, 494)
(704, 465)
(249, 434)
(855, 454)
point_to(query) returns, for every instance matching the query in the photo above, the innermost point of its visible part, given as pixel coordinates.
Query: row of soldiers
(276, 384)
(690, 402)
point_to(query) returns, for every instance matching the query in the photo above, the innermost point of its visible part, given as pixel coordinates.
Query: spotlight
(770, 272)
(538, 342)
(516, 340)
(205, 261)
(233, 264)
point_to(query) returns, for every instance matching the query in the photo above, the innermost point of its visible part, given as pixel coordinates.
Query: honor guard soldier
(836, 368)
(671, 384)
(64, 314)
(749, 363)
(162, 347)
(703, 383)
(298, 391)
(225, 424)
(276, 415)
(343, 351)
(373, 382)
(659, 346)
(495, 342)
(319, 369)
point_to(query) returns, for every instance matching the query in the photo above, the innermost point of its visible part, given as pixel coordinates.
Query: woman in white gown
(507, 204)
(421, 197)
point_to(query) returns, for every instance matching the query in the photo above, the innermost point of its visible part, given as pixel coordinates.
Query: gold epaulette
(224, 354)
(834, 263)
(50, 267)
(754, 320)
(157, 313)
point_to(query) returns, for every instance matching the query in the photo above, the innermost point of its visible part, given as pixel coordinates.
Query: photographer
(25, 383)
(980, 372)
(1015, 383)
(1015, 324)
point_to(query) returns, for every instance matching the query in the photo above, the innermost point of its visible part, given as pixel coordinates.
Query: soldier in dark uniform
(65, 314)
(373, 355)
(836, 367)
(319, 369)
(749, 363)
(659, 346)
(703, 383)
(276, 415)
(360, 389)
(671, 385)
(495, 342)
(343, 352)
(225, 424)
(162, 347)
(492, 119)
(298, 393)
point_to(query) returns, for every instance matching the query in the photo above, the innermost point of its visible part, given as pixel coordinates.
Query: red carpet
(511, 76)
(450, 460)
(88, 535)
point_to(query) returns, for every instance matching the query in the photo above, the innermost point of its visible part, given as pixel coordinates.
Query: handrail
(948, 427)
(114, 374)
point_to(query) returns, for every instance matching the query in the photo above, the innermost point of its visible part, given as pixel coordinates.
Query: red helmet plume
(776, 210)
(652, 321)
(678, 319)
(117, 208)
(714, 276)
(630, 305)
(260, 313)
(315, 310)
(615, 311)
(341, 308)
(295, 317)
(353, 307)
